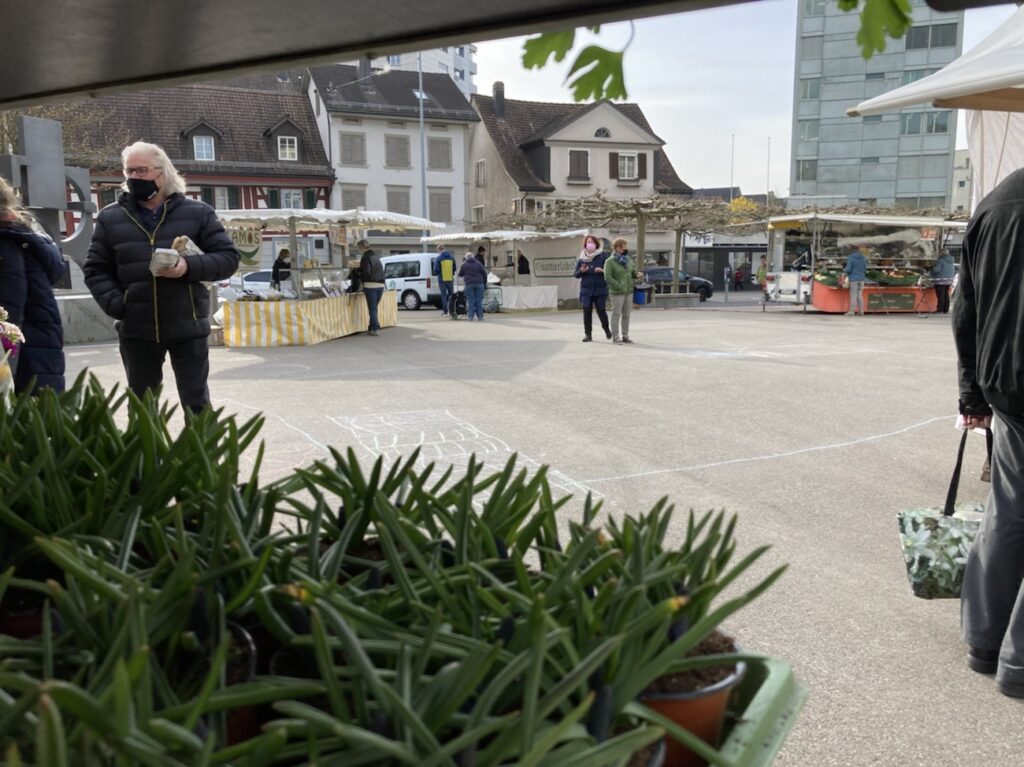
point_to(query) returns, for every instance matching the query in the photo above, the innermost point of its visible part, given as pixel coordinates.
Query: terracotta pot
(702, 712)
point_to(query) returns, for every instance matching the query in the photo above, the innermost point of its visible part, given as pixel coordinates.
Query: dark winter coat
(157, 308)
(472, 272)
(370, 268)
(591, 282)
(30, 265)
(988, 315)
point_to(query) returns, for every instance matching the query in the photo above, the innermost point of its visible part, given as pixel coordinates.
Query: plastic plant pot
(702, 712)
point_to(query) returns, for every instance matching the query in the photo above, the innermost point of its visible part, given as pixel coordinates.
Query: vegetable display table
(878, 299)
(302, 323)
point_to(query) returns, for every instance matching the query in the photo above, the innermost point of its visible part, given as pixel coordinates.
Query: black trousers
(190, 360)
(942, 293)
(589, 303)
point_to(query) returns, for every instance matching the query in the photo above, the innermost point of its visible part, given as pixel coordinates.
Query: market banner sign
(554, 267)
(249, 242)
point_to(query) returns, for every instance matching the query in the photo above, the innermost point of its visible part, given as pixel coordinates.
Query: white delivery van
(411, 277)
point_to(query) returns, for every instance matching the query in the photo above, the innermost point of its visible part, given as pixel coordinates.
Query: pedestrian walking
(988, 327)
(621, 275)
(444, 270)
(593, 288)
(30, 265)
(281, 268)
(762, 280)
(856, 272)
(165, 312)
(474, 278)
(943, 273)
(371, 271)
(522, 263)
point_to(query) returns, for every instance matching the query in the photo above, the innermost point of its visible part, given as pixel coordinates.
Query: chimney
(499, 100)
(364, 68)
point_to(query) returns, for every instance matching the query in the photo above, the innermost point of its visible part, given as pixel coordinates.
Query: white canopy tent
(510, 235)
(296, 220)
(307, 219)
(988, 82)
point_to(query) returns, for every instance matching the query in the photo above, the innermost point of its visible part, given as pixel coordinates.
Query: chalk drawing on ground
(444, 438)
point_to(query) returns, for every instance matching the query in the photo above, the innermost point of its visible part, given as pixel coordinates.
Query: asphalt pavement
(816, 430)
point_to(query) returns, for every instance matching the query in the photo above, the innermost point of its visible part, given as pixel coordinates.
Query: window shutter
(396, 151)
(440, 205)
(234, 197)
(207, 194)
(641, 164)
(613, 165)
(273, 198)
(353, 149)
(439, 155)
(309, 197)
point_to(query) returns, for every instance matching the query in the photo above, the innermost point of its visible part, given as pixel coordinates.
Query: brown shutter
(613, 165)
(641, 164)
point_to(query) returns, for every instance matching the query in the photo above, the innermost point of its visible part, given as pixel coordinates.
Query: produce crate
(764, 709)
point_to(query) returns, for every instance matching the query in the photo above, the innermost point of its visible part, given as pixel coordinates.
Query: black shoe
(1011, 689)
(985, 662)
(627, 340)
(608, 334)
(587, 339)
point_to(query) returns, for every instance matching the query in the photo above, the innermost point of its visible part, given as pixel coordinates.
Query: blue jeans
(475, 301)
(446, 293)
(372, 300)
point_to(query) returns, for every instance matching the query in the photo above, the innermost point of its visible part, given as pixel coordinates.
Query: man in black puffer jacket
(169, 312)
(988, 326)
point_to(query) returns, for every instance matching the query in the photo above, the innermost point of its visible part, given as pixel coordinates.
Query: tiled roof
(722, 193)
(391, 93)
(103, 126)
(526, 122)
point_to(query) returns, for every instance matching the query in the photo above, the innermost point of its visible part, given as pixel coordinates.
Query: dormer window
(203, 148)
(288, 148)
(602, 133)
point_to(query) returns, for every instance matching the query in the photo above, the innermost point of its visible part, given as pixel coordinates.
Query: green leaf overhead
(537, 50)
(879, 20)
(598, 73)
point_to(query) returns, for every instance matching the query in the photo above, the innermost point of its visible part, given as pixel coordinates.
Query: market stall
(522, 294)
(900, 251)
(315, 306)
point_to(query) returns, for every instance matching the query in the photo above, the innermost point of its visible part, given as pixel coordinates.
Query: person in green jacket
(620, 274)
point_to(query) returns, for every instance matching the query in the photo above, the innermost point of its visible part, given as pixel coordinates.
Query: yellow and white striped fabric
(302, 323)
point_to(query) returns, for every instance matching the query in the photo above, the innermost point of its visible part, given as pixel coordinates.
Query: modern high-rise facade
(456, 61)
(902, 158)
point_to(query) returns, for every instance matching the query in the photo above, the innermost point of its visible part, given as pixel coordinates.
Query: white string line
(309, 437)
(771, 456)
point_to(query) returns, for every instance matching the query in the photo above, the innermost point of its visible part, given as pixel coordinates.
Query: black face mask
(142, 189)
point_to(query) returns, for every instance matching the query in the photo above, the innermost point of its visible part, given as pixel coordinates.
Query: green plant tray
(765, 708)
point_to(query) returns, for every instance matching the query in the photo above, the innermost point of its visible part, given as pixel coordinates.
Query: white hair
(10, 204)
(174, 182)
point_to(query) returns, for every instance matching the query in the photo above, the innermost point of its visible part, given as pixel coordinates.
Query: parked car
(248, 282)
(661, 278)
(410, 275)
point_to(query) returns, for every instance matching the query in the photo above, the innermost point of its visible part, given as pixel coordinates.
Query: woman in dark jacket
(30, 265)
(474, 275)
(593, 289)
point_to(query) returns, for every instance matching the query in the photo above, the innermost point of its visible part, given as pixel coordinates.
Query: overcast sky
(702, 77)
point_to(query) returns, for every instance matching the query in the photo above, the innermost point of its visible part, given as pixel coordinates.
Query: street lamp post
(423, 143)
